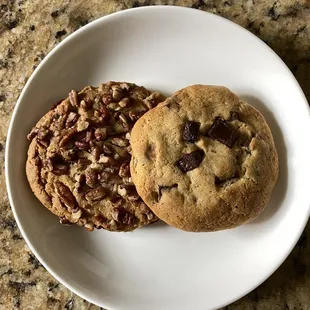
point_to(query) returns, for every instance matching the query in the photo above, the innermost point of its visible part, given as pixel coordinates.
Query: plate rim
(83, 294)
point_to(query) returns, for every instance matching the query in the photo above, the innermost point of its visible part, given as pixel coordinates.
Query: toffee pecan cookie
(204, 160)
(78, 158)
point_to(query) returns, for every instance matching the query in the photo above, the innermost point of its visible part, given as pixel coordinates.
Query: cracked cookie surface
(78, 158)
(204, 160)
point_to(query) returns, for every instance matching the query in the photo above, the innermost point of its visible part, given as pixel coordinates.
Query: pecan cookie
(78, 158)
(204, 160)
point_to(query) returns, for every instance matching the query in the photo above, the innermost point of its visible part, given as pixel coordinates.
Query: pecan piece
(60, 169)
(120, 142)
(71, 119)
(106, 160)
(83, 163)
(117, 93)
(122, 191)
(133, 197)
(86, 104)
(125, 102)
(68, 137)
(101, 134)
(107, 150)
(96, 152)
(68, 154)
(124, 120)
(104, 176)
(89, 226)
(114, 106)
(103, 114)
(76, 214)
(124, 170)
(65, 195)
(80, 183)
(73, 98)
(64, 221)
(123, 216)
(106, 99)
(135, 115)
(96, 194)
(127, 86)
(81, 145)
(91, 178)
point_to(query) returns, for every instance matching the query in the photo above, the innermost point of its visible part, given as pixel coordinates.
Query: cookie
(78, 158)
(204, 160)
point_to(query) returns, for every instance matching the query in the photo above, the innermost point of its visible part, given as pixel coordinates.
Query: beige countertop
(29, 29)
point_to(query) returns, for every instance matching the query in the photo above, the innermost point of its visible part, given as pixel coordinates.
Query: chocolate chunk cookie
(204, 160)
(78, 158)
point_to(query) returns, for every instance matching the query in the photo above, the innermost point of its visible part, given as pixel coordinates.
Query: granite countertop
(29, 29)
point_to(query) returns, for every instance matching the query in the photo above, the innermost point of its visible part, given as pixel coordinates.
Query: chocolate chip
(190, 132)
(221, 132)
(162, 188)
(190, 161)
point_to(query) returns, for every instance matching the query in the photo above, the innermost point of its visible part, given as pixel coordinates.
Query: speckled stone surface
(29, 29)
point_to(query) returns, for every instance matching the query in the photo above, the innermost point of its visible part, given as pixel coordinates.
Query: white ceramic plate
(159, 267)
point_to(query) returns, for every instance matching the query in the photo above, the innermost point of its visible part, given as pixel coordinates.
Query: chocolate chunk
(190, 132)
(162, 188)
(190, 161)
(221, 132)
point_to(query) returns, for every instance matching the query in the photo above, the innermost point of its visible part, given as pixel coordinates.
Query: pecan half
(65, 195)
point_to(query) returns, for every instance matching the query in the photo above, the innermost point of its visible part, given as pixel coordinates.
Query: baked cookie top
(204, 160)
(78, 158)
